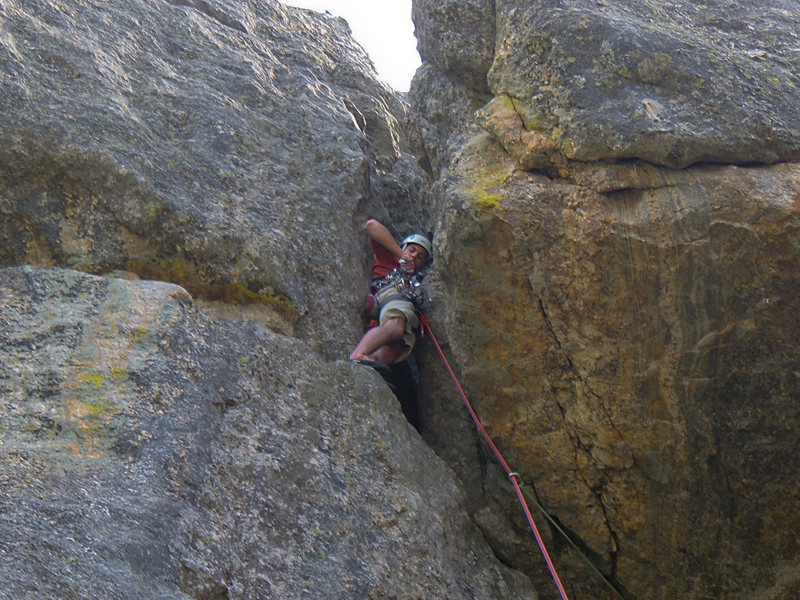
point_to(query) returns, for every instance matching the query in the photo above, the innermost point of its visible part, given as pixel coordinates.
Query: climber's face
(416, 254)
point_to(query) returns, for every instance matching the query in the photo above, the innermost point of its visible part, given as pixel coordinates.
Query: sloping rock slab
(148, 451)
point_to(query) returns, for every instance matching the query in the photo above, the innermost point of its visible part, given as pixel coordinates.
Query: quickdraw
(408, 286)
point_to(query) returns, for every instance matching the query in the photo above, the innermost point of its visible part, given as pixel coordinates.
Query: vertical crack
(589, 556)
(578, 375)
(596, 489)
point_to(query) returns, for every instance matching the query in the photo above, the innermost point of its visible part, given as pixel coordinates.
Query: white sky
(383, 28)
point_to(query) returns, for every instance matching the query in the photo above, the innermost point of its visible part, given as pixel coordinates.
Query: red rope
(511, 475)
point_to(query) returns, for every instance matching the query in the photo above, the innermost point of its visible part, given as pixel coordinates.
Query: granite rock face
(622, 313)
(221, 158)
(182, 190)
(614, 192)
(457, 37)
(150, 451)
(632, 351)
(673, 83)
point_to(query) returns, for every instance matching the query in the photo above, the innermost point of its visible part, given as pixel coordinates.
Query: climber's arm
(378, 233)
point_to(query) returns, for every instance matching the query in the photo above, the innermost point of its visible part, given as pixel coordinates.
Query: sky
(383, 28)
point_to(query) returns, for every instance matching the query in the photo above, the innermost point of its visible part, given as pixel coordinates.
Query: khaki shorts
(394, 307)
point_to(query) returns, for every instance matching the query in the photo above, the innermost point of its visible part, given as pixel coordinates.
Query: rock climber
(397, 272)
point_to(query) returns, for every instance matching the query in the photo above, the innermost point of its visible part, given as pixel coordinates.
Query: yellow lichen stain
(662, 59)
(91, 420)
(240, 294)
(568, 148)
(99, 409)
(94, 379)
(625, 72)
(487, 201)
(486, 170)
(174, 269)
(119, 373)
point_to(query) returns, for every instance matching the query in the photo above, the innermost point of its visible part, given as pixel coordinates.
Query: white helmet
(419, 240)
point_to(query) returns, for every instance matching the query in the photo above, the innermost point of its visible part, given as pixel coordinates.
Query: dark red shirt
(384, 261)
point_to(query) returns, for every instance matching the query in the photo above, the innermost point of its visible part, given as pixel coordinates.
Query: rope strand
(513, 476)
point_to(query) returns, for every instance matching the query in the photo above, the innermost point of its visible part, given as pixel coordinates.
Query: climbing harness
(513, 476)
(406, 287)
(397, 285)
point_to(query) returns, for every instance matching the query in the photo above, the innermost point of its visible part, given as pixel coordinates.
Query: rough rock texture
(150, 451)
(226, 154)
(633, 352)
(621, 311)
(457, 37)
(626, 329)
(674, 83)
(221, 158)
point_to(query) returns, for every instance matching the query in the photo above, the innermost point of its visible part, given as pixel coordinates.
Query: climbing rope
(513, 476)
(582, 554)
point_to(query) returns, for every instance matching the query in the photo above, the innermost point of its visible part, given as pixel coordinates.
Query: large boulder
(632, 351)
(457, 37)
(674, 84)
(150, 451)
(623, 326)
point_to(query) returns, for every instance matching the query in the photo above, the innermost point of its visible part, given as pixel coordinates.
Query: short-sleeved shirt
(384, 261)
